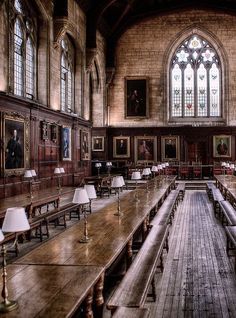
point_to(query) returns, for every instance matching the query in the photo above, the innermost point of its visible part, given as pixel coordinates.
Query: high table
(110, 234)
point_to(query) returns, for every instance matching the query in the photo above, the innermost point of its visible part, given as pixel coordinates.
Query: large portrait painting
(136, 97)
(98, 143)
(16, 141)
(85, 151)
(169, 148)
(121, 147)
(145, 149)
(66, 143)
(222, 146)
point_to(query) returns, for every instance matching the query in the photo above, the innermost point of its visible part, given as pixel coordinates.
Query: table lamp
(98, 166)
(29, 176)
(117, 183)
(146, 172)
(81, 198)
(136, 175)
(15, 221)
(109, 165)
(57, 172)
(91, 194)
(154, 170)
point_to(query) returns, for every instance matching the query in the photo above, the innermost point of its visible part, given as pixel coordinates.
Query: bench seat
(133, 289)
(126, 312)
(228, 213)
(231, 241)
(216, 198)
(181, 191)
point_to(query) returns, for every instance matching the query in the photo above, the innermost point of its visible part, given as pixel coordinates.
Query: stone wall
(143, 51)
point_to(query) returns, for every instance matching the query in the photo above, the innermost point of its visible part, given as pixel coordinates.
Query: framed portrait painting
(98, 143)
(85, 150)
(169, 148)
(136, 97)
(66, 143)
(145, 149)
(121, 147)
(16, 141)
(222, 146)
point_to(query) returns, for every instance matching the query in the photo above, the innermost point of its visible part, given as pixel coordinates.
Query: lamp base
(8, 305)
(118, 214)
(84, 240)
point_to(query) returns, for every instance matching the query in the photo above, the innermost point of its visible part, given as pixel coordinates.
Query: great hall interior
(118, 158)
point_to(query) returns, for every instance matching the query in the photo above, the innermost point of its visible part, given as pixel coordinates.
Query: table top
(109, 233)
(49, 291)
(39, 197)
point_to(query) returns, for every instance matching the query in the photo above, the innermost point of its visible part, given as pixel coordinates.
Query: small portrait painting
(121, 147)
(145, 149)
(136, 97)
(98, 143)
(66, 143)
(170, 147)
(222, 146)
(85, 152)
(14, 140)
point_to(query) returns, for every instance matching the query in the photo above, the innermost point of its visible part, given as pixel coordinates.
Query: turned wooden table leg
(129, 253)
(98, 297)
(88, 311)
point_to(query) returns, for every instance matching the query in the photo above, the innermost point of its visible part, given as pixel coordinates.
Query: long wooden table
(51, 291)
(227, 185)
(110, 235)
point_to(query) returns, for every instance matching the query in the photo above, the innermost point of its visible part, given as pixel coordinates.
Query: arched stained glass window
(67, 75)
(23, 77)
(195, 80)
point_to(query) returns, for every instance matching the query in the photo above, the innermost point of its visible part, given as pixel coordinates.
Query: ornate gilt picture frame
(98, 143)
(121, 147)
(66, 143)
(136, 97)
(170, 148)
(16, 144)
(145, 149)
(222, 146)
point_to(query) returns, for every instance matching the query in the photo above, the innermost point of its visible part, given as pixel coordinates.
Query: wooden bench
(43, 219)
(133, 289)
(231, 242)
(216, 199)
(165, 214)
(181, 191)
(126, 312)
(228, 213)
(209, 187)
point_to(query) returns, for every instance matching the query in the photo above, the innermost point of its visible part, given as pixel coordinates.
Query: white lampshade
(223, 164)
(136, 175)
(57, 171)
(159, 167)
(90, 191)
(98, 164)
(33, 172)
(28, 174)
(231, 166)
(154, 168)
(163, 165)
(80, 196)
(109, 164)
(146, 172)
(117, 182)
(15, 220)
(1, 236)
(122, 180)
(167, 164)
(227, 165)
(62, 170)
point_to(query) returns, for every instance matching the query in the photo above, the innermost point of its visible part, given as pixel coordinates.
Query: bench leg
(98, 297)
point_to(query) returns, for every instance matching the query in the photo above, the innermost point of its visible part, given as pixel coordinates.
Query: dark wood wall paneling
(45, 155)
(189, 136)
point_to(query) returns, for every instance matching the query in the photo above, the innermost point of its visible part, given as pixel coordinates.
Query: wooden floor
(198, 280)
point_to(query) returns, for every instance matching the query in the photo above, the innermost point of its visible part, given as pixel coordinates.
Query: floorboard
(198, 279)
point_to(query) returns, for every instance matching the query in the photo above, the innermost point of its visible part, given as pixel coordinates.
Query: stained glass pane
(214, 91)
(29, 69)
(202, 91)
(188, 91)
(18, 59)
(176, 91)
